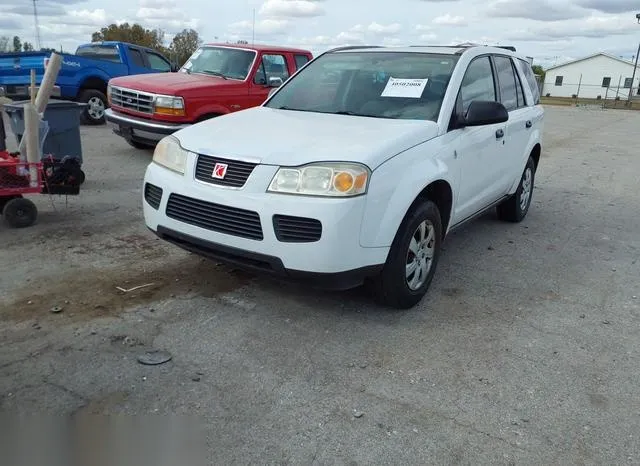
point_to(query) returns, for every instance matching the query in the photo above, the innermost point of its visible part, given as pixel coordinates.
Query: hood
(171, 83)
(284, 137)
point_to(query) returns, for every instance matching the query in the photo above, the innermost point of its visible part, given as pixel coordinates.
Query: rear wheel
(96, 105)
(412, 259)
(515, 208)
(20, 213)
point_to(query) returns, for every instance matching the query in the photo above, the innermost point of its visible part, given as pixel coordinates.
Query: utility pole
(635, 67)
(37, 23)
(253, 28)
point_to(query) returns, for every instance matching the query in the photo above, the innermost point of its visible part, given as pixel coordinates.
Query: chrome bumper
(130, 127)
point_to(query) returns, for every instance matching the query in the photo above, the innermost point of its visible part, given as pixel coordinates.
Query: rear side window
(136, 57)
(301, 60)
(477, 83)
(157, 63)
(531, 80)
(507, 81)
(100, 52)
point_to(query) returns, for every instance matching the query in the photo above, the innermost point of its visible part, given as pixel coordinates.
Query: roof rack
(353, 47)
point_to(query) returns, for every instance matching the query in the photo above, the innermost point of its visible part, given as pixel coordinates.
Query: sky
(551, 31)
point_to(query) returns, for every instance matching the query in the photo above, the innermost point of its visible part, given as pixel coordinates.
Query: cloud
(165, 14)
(26, 9)
(593, 27)
(9, 23)
(263, 27)
(95, 18)
(381, 29)
(611, 6)
(541, 10)
(291, 8)
(449, 20)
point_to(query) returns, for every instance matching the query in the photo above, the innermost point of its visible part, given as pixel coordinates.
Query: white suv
(356, 168)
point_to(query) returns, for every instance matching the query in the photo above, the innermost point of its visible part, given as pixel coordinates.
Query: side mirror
(275, 81)
(485, 112)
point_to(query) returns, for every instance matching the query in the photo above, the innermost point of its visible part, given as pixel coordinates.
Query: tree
(134, 34)
(27, 47)
(183, 45)
(4, 44)
(537, 69)
(17, 44)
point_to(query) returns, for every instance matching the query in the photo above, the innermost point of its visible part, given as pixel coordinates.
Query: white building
(600, 74)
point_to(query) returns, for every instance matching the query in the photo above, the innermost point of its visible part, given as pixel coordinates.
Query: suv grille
(215, 217)
(296, 229)
(235, 177)
(132, 100)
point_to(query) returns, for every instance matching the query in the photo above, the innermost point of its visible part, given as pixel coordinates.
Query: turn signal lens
(343, 182)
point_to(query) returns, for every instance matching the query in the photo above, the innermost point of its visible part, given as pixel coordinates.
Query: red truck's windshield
(226, 62)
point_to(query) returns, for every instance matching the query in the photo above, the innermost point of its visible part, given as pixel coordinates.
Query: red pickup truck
(216, 80)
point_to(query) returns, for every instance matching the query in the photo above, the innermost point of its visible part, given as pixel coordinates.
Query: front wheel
(515, 208)
(96, 105)
(412, 259)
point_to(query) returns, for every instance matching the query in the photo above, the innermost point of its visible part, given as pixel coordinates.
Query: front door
(480, 150)
(272, 65)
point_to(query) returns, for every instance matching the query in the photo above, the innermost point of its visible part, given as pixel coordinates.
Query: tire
(81, 177)
(139, 145)
(96, 105)
(20, 213)
(394, 287)
(515, 208)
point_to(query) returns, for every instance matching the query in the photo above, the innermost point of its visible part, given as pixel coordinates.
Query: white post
(32, 136)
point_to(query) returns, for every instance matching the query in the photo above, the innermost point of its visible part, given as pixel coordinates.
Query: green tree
(17, 44)
(27, 47)
(183, 45)
(4, 44)
(537, 69)
(132, 33)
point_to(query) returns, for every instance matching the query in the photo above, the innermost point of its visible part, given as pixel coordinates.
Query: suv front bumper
(336, 260)
(140, 129)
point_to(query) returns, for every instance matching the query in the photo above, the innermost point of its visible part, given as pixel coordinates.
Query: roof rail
(353, 47)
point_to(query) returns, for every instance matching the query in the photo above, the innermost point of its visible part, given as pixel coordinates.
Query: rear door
(519, 124)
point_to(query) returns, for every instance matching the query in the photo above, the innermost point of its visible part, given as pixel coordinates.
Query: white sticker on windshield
(411, 88)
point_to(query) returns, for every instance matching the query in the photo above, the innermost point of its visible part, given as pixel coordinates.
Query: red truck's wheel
(96, 105)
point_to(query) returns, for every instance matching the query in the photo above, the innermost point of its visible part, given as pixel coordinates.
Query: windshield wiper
(214, 73)
(346, 112)
(284, 107)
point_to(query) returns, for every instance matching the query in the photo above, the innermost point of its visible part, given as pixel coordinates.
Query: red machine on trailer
(16, 179)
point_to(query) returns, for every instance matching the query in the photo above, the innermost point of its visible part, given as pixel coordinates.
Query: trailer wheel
(5, 199)
(20, 213)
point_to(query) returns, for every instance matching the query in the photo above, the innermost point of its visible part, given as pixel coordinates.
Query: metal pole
(633, 77)
(253, 28)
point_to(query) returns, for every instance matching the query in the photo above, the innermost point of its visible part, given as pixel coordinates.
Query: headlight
(170, 154)
(322, 179)
(168, 105)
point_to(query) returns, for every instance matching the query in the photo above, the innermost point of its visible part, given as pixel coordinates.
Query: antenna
(253, 28)
(37, 23)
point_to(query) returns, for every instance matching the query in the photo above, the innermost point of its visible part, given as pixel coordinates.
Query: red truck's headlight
(168, 105)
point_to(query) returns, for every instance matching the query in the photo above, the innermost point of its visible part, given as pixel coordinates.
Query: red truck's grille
(235, 172)
(132, 100)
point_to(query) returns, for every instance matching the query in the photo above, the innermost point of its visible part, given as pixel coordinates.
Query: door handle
(499, 134)
(528, 124)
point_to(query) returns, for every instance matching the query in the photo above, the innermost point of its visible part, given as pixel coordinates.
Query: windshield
(399, 85)
(220, 61)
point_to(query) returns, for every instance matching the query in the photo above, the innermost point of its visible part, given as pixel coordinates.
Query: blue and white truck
(84, 75)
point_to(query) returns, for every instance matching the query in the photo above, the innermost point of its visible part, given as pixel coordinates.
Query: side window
(301, 60)
(507, 82)
(157, 63)
(531, 80)
(606, 82)
(136, 57)
(519, 90)
(558, 80)
(272, 66)
(627, 83)
(477, 83)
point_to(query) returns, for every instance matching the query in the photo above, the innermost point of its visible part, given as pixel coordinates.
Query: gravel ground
(526, 350)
